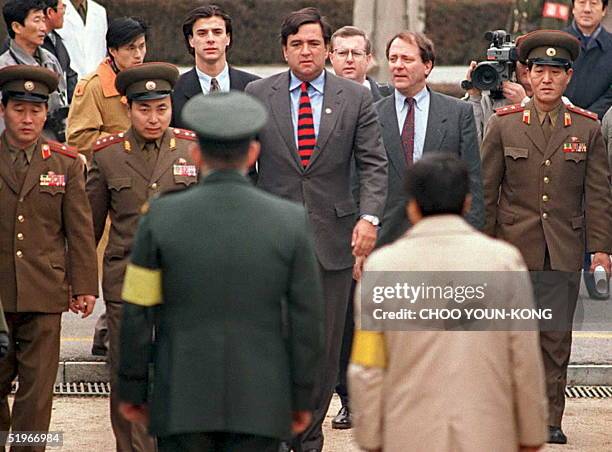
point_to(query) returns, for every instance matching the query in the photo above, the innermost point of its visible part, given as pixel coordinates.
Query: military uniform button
(20, 236)
(547, 162)
(545, 198)
(546, 180)
(154, 186)
(545, 215)
(21, 218)
(19, 253)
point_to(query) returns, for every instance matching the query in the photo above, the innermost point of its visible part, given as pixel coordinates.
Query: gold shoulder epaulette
(108, 140)
(185, 134)
(63, 149)
(516, 108)
(582, 112)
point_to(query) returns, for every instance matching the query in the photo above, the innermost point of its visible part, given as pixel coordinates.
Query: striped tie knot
(307, 139)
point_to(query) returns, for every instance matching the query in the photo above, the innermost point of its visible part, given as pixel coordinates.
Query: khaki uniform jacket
(453, 391)
(47, 248)
(119, 183)
(541, 196)
(97, 110)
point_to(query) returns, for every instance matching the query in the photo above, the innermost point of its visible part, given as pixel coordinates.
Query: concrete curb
(97, 371)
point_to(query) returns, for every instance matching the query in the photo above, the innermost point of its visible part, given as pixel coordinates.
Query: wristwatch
(371, 219)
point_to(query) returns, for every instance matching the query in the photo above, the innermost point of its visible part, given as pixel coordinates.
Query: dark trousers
(336, 288)
(558, 291)
(217, 442)
(345, 351)
(33, 357)
(130, 437)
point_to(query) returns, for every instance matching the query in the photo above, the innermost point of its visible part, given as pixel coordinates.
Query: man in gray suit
(319, 123)
(417, 120)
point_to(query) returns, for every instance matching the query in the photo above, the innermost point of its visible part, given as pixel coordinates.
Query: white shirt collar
(318, 83)
(419, 99)
(221, 78)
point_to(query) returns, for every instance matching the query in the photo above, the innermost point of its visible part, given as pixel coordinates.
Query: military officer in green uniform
(225, 279)
(127, 169)
(545, 177)
(529, 15)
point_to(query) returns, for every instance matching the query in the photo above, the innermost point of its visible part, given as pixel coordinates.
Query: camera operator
(484, 104)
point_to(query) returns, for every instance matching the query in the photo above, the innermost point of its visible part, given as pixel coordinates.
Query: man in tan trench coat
(545, 176)
(446, 391)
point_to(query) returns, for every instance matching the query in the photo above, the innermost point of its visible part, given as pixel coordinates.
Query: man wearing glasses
(351, 56)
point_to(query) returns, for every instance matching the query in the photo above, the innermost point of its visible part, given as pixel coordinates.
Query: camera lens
(485, 77)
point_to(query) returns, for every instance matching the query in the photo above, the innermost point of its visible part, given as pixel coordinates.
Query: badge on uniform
(52, 180)
(574, 145)
(182, 169)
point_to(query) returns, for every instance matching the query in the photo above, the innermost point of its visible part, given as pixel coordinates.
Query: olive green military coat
(230, 274)
(541, 195)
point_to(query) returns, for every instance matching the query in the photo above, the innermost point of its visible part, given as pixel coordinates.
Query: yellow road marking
(593, 334)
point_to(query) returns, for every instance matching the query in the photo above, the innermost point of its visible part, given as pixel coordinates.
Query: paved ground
(86, 426)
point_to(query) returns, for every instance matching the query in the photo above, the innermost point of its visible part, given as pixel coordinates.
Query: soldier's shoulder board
(582, 112)
(64, 149)
(108, 140)
(184, 134)
(79, 90)
(508, 109)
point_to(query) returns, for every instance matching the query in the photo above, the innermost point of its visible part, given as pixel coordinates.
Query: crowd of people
(239, 216)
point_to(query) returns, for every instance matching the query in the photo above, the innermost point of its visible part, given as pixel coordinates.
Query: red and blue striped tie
(305, 128)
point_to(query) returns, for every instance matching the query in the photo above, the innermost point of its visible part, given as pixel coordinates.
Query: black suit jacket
(61, 53)
(378, 91)
(188, 85)
(450, 128)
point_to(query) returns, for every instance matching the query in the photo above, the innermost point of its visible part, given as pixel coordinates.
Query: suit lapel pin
(328, 111)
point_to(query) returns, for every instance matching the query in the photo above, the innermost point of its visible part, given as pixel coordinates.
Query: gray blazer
(450, 128)
(349, 129)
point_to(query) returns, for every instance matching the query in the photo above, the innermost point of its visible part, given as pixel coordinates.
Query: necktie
(214, 85)
(305, 127)
(21, 167)
(547, 127)
(81, 9)
(408, 132)
(150, 154)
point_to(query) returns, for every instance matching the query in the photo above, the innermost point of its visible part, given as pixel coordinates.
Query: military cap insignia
(582, 112)
(29, 86)
(516, 108)
(108, 140)
(551, 52)
(150, 85)
(185, 134)
(527, 117)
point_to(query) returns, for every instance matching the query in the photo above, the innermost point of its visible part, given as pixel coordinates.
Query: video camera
(502, 56)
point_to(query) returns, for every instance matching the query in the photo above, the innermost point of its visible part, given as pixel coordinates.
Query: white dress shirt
(223, 79)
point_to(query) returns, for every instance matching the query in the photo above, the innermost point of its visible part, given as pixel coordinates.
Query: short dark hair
(604, 2)
(204, 12)
(123, 30)
(18, 10)
(425, 45)
(225, 152)
(439, 183)
(51, 4)
(348, 31)
(296, 19)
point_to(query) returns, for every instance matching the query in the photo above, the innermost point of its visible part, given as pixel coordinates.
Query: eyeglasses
(344, 53)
